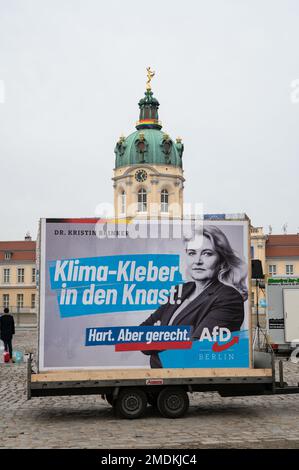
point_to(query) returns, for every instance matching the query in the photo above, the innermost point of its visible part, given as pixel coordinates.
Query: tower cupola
(148, 144)
(148, 117)
(148, 168)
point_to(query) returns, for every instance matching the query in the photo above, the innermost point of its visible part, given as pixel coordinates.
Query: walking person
(7, 330)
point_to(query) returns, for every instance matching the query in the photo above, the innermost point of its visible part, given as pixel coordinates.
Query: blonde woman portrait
(216, 293)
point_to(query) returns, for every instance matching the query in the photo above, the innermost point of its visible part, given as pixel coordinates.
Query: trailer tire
(173, 403)
(131, 403)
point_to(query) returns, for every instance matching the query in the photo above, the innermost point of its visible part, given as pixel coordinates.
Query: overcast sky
(71, 76)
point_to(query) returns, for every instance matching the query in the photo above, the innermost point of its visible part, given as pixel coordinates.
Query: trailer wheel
(173, 403)
(131, 403)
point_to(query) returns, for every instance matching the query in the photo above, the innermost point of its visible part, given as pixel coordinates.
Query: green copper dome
(148, 144)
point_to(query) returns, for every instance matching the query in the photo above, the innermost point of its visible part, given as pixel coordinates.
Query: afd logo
(221, 335)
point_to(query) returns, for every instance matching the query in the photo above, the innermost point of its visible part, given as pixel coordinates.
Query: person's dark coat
(218, 305)
(7, 327)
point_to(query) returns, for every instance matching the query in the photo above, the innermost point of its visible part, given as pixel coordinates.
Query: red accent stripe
(113, 220)
(153, 346)
(218, 348)
(77, 221)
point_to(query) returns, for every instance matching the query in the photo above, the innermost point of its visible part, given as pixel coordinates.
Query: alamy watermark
(2, 91)
(150, 223)
(294, 95)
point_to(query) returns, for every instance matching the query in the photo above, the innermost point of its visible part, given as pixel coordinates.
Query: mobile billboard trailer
(145, 312)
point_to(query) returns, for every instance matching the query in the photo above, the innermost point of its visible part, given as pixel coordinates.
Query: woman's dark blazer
(218, 305)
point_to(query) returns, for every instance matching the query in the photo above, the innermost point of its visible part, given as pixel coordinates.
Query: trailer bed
(102, 381)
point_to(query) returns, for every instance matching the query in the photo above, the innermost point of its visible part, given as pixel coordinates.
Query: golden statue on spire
(150, 75)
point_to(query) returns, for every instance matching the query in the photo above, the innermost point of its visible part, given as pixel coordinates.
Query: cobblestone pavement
(89, 422)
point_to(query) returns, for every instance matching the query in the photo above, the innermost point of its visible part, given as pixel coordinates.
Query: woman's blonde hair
(232, 269)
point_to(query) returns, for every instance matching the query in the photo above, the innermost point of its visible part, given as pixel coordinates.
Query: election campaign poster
(136, 294)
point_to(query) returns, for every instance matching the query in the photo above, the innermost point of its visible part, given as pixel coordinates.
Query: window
(20, 301)
(272, 269)
(33, 279)
(21, 275)
(6, 275)
(123, 202)
(7, 255)
(289, 269)
(5, 300)
(252, 252)
(32, 300)
(142, 200)
(164, 200)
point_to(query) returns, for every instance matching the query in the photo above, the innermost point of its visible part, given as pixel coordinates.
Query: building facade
(258, 245)
(18, 279)
(279, 255)
(258, 241)
(282, 255)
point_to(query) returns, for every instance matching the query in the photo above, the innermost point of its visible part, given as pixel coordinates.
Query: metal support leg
(281, 383)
